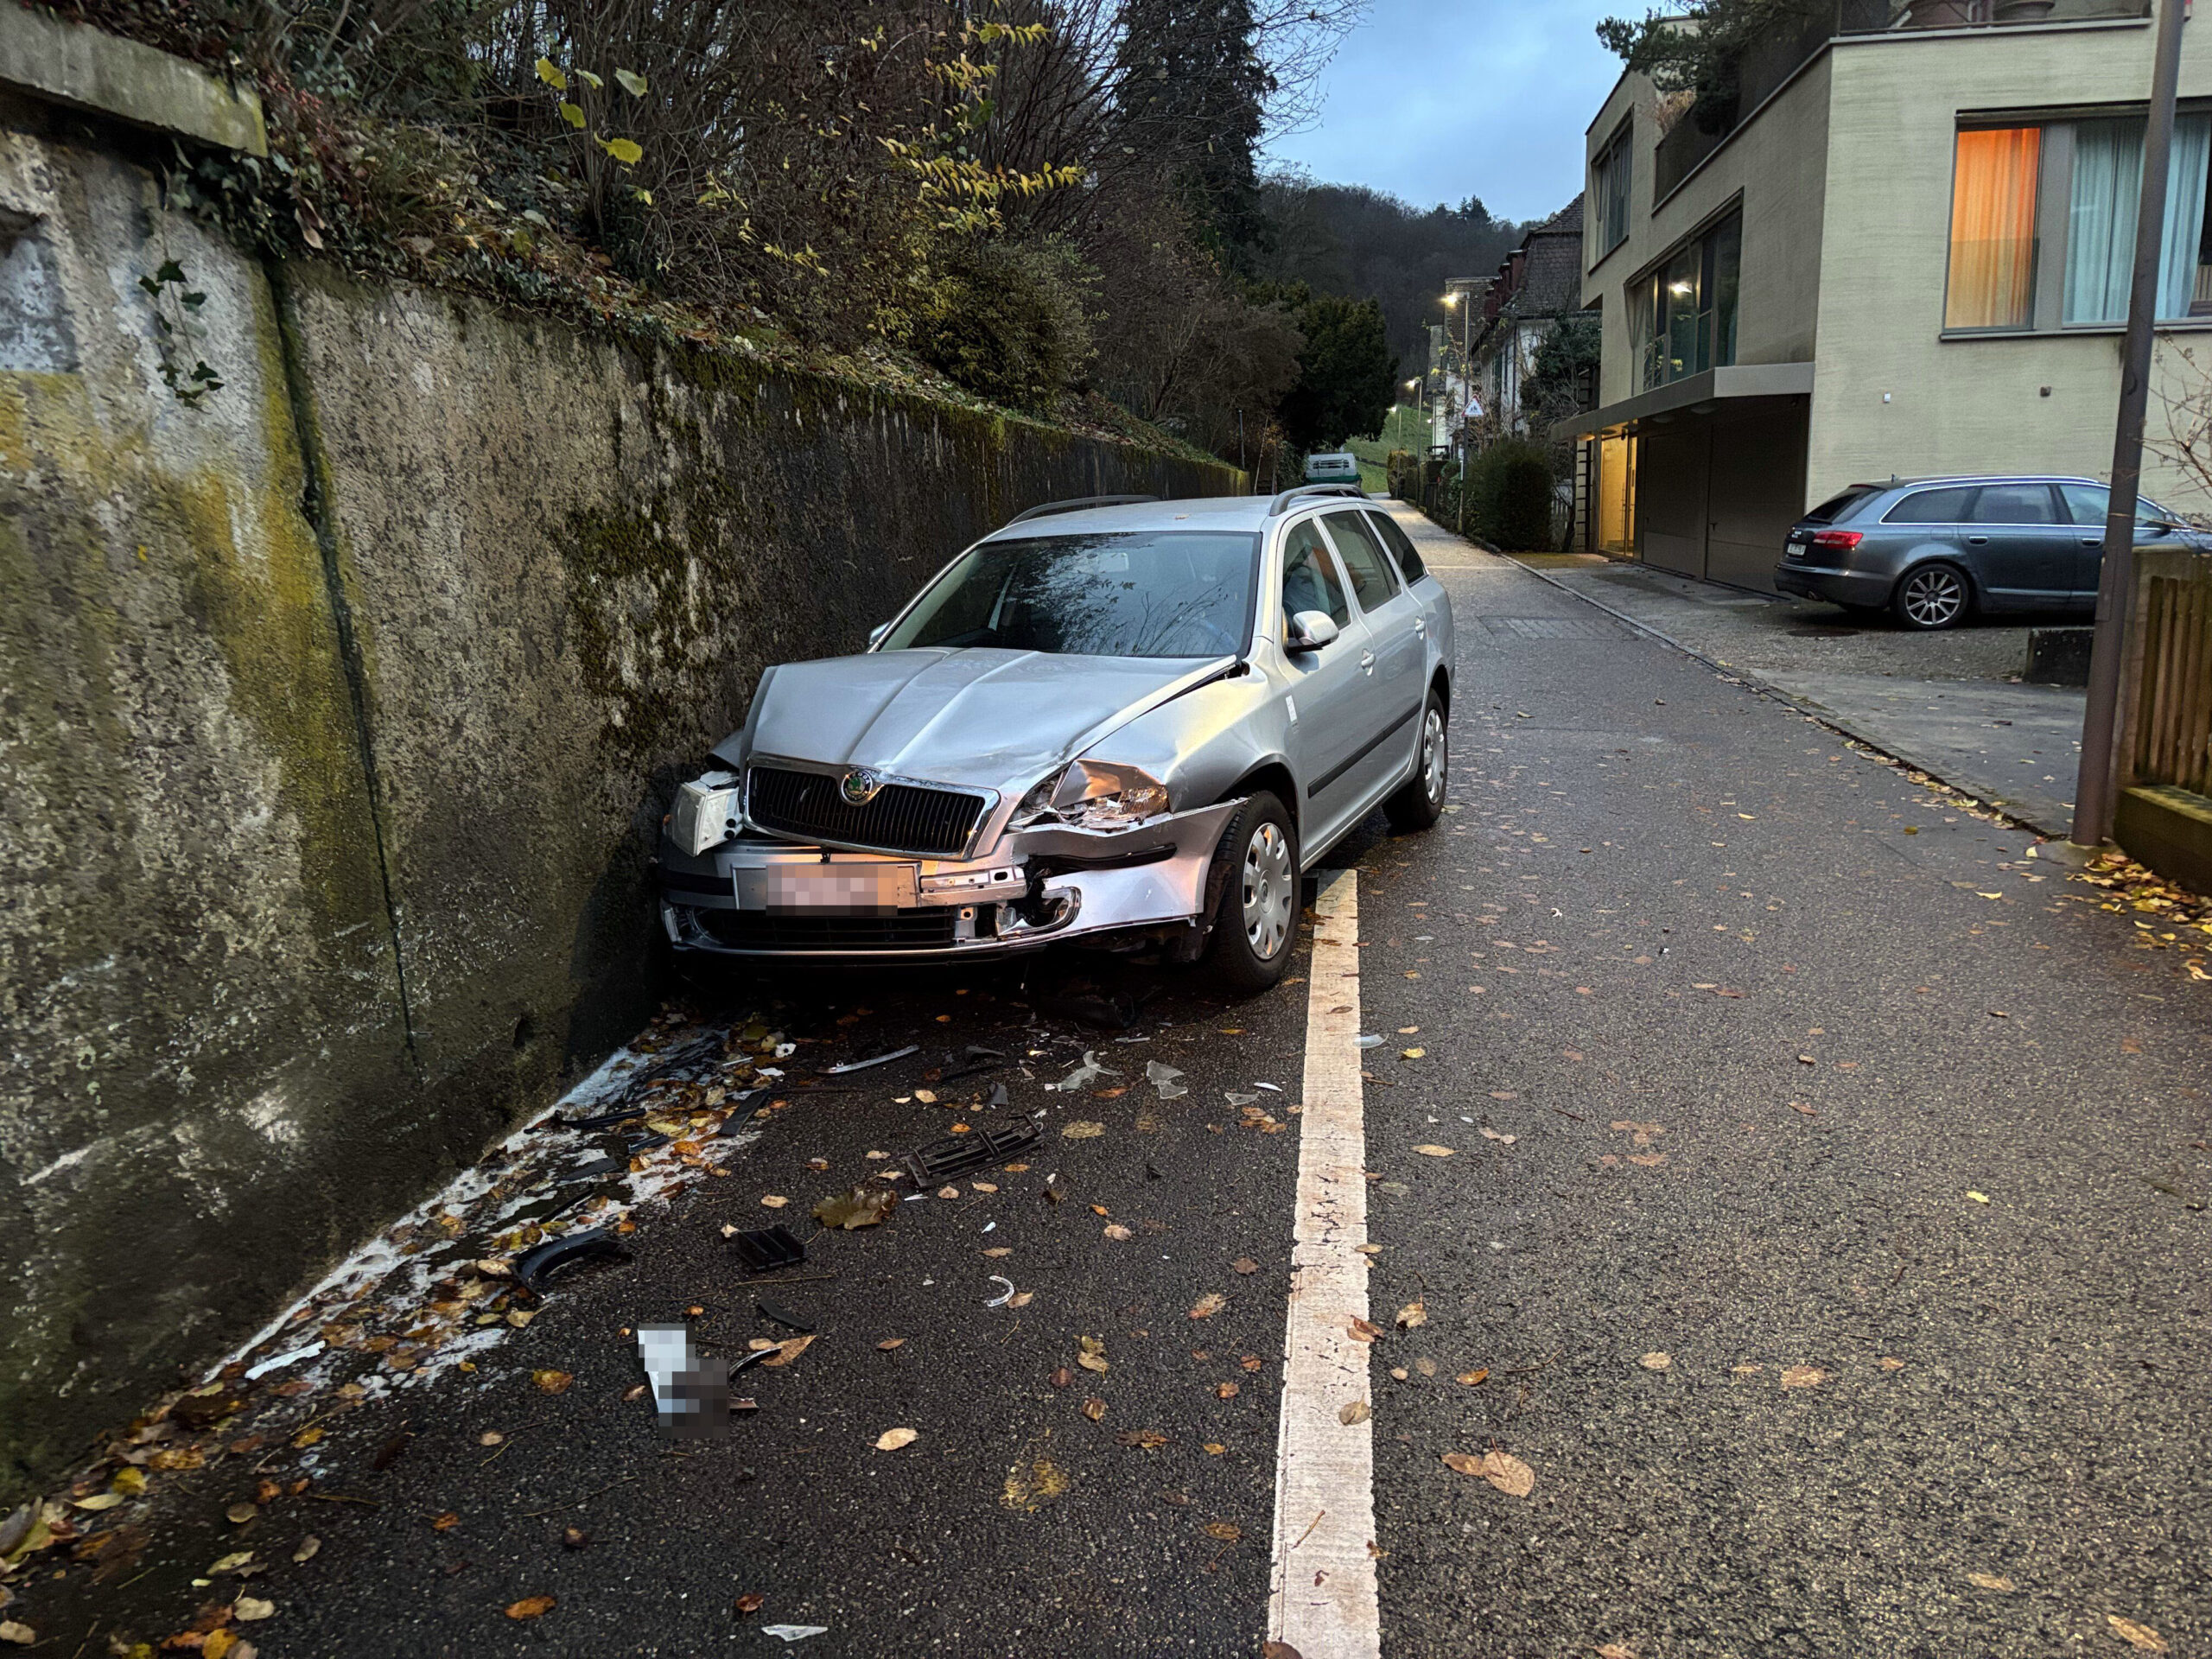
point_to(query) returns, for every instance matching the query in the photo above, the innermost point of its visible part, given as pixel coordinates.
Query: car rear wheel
(1933, 596)
(1420, 801)
(1257, 917)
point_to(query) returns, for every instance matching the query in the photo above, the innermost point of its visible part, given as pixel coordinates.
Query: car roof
(1978, 478)
(1230, 512)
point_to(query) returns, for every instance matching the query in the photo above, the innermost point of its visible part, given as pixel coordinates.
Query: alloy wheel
(1435, 756)
(1270, 888)
(1933, 598)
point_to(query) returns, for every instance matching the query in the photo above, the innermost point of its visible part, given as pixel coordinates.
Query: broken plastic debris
(768, 1248)
(780, 1314)
(1237, 1099)
(794, 1632)
(1085, 1075)
(863, 1065)
(1001, 1301)
(1166, 1079)
(1371, 1040)
(965, 1154)
(561, 1255)
(690, 1390)
(283, 1360)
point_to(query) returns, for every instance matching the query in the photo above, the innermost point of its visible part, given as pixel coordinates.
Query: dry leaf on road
(1989, 1581)
(1433, 1152)
(248, 1610)
(1488, 1134)
(1509, 1474)
(1245, 1264)
(551, 1382)
(1092, 1357)
(1150, 1439)
(1208, 1305)
(752, 1602)
(2137, 1636)
(530, 1607)
(1474, 1377)
(1364, 1330)
(774, 1200)
(786, 1352)
(1356, 1412)
(1082, 1129)
(1226, 1390)
(1656, 1362)
(889, 1343)
(892, 1438)
(1412, 1314)
(1095, 1408)
(445, 1522)
(1802, 1376)
(1228, 1532)
(1118, 1233)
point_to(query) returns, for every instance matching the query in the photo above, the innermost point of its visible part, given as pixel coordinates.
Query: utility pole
(2095, 790)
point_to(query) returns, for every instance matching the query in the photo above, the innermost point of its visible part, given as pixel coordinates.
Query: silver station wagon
(1122, 721)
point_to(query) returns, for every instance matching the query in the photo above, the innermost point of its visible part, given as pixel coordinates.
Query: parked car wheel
(1932, 596)
(1258, 915)
(1419, 803)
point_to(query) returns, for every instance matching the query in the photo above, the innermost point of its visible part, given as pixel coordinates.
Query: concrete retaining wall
(335, 714)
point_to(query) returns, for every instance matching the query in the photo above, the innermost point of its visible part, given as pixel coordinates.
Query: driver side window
(1309, 577)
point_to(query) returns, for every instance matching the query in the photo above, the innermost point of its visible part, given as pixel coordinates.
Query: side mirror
(1310, 631)
(875, 635)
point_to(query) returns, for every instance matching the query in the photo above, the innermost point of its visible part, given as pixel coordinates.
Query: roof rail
(1078, 505)
(1281, 504)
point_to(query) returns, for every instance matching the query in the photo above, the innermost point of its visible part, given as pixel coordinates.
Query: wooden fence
(2170, 713)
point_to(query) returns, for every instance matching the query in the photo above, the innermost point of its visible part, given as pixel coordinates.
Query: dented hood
(994, 719)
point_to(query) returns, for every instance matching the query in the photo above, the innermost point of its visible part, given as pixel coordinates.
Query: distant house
(1536, 285)
(1903, 248)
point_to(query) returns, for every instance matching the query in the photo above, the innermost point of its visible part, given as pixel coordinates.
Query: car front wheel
(1257, 916)
(1933, 596)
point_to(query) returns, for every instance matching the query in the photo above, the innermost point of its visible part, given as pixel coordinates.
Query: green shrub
(1008, 321)
(1510, 496)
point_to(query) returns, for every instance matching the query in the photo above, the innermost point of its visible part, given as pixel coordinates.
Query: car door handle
(1420, 624)
(1367, 662)
(1976, 541)
(2093, 541)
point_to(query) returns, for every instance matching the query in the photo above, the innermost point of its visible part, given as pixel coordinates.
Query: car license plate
(829, 889)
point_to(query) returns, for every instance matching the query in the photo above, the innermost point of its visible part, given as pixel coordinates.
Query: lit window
(1683, 313)
(1994, 228)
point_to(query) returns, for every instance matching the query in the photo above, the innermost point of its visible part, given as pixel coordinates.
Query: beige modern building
(1906, 250)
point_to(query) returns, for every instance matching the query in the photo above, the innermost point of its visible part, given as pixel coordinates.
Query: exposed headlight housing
(1095, 795)
(709, 811)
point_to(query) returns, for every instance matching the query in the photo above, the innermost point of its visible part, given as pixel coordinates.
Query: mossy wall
(335, 717)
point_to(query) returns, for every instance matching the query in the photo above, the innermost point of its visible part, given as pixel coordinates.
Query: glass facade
(1683, 313)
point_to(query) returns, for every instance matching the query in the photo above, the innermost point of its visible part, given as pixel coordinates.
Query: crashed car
(1118, 721)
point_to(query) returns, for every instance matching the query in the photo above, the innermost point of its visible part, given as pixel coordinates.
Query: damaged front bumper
(752, 896)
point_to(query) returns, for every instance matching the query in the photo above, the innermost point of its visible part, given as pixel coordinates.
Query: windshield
(1130, 594)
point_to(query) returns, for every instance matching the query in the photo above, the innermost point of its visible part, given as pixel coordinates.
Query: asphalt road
(1836, 1255)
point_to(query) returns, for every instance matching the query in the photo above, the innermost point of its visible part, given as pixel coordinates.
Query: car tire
(1420, 801)
(1932, 596)
(1255, 921)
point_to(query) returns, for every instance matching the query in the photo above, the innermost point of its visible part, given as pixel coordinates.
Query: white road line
(1322, 1600)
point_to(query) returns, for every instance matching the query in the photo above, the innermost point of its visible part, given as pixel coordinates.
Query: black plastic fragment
(973, 1063)
(781, 1315)
(560, 1255)
(767, 1249)
(999, 1094)
(962, 1154)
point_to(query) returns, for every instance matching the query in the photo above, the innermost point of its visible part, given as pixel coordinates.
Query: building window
(1609, 188)
(2073, 186)
(1683, 313)
(2100, 220)
(1995, 173)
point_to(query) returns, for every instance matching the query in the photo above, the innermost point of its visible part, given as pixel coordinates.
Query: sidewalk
(1951, 703)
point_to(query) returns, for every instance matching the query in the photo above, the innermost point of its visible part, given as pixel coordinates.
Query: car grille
(902, 818)
(923, 929)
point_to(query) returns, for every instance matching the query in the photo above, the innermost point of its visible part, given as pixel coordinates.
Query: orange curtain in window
(1994, 229)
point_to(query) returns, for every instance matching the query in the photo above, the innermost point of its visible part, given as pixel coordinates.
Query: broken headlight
(1095, 795)
(709, 811)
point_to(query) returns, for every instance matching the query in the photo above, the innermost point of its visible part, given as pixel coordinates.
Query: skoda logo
(860, 785)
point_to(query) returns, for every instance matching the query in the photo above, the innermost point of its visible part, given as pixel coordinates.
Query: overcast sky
(1438, 101)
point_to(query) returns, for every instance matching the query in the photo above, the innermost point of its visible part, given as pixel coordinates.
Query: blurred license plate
(846, 889)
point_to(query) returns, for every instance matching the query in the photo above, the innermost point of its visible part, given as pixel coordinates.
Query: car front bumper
(1837, 586)
(1035, 887)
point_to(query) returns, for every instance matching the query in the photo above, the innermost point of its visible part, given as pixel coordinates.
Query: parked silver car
(1117, 720)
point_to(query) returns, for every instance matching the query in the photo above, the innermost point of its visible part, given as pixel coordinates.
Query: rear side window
(2015, 504)
(1309, 576)
(1372, 579)
(2089, 503)
(1946, 506)
(1401, 545)
(1840, 506)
